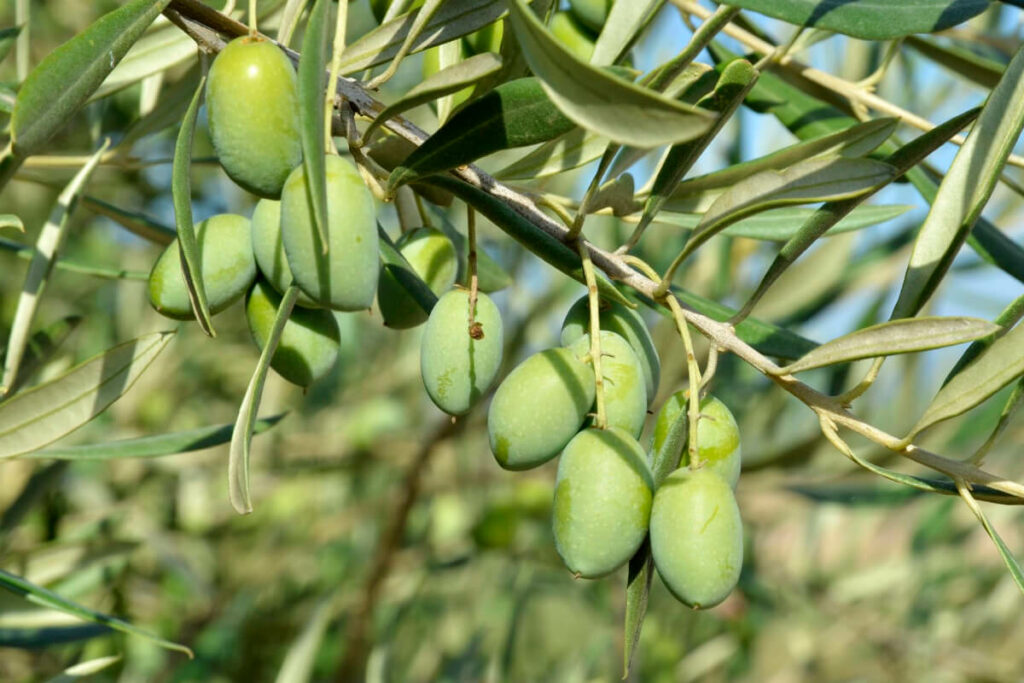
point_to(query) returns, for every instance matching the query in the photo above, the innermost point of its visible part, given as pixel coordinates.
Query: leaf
(301, 656)
(405, 275)
(136, 223)
(667, 455)
(41, 415)
(870, 19)
(151, 446)
(241, 436)
(780, 225)
(454, 19)
(47, 636)
(41, 596)
(514, 114)
(7, 39)
(1006, 319)
(48, 245)
(1011, 562)
(549, 248)
(626, 21)
(86, 668)
(152, 54)
(181, 196)
(566, 152)
(638, 589)
(992, 370)
(598, 101)
(64, 80)
(893, 337)
(42, 345)
(169, 110)
(984, 72)
(312, 81)
(965, 190)
(9, 220)
(444, 82)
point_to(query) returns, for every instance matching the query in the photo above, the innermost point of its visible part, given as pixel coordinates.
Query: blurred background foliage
(383, 531)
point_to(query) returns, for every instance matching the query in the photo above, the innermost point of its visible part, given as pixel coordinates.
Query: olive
(718, 435)
(538, 408)
(697, 536)
(226, 265)
(625, 397)
(269, 250)
(253, 110)
(602, 501)
(572, 35)
(621, 319)
(487, 39)
(432, 256)
(345, 278)
(458, 365)
(309, 341)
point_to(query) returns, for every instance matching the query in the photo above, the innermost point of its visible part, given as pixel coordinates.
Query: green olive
(269, 250)
(592, 13)
(457, 366)
(226, 264)
(622, 320)
(602, 501)
(718, 435)
(538, 408)
(697, 536)
(346, 277)
(572, 35)
(432, 255)
(487, 39)
(625, 396)
(253, 110)
(309, 341)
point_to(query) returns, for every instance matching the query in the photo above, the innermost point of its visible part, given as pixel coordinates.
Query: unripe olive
(457, 366)
(622, 320)
(269, 250)
(538, 408)
(697, 536)
(718, 435)
(592, 13)
(309, 341)
(625, 396)
(226, 264)
(572, 35)
(487, 39)
(346, 277)
(602, 501)
(432, 255)
(253, 108)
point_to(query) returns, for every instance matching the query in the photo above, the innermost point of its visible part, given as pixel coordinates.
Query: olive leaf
(566, 152)
(34, 418)
(7, 38)
(405, 275)
(152, 54)
(985, 72)
(9, 220)
(42, 345)
(312, 81)
(626, 21)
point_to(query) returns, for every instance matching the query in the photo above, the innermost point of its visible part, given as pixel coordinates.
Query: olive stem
(471, 267)
(850, 396)
(595, 183)
(253, 29)
(601, 420)
(338, 47)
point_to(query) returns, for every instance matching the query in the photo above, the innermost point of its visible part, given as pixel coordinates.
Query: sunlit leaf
(626, 20)
(568, 151)
(779, 225)
(984, 72)
(312, 82)
(152, 54)
(9, 220)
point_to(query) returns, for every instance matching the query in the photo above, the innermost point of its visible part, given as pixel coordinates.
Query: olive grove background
(384, 536)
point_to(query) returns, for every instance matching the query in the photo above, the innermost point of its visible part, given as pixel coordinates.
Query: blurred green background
(384, 533)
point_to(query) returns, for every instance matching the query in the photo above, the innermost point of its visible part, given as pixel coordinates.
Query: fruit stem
(693, 375)
(253, 30)
(340, 28)
(601, 421)
(471, 267)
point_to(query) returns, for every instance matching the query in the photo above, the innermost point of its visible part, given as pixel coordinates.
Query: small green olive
(253, 110)
(432, 255)
(602, 501)
(309, 341)
(572, 35)
(269, 250)
(487, 39)
(345, 278)
(226, 264)
(697, 536)
(458, 366)
(718, 435)
(625, 396)
(538, 408)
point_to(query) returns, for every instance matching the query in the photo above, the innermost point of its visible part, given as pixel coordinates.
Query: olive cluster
(606, 502)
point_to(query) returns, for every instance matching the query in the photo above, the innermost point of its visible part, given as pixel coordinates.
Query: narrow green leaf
(667, 455)
(302, 654)
(638, 589)
(893, 337)
(984, 72)
(152, 54)
(47, 636)
(23, 251)
(566, 152)
(514, 114)
(312, 83)
(550, 249)
(454, 19)
(41, 596)
(1006, 319)
(992, 370)
(780, 225)
(7, 38)
(169, 110)
(86, 668)
(151, 446)
(621, 111)
(8, 96)
(444, 82)
(136, 223)
(48, 245)
(41, 347)
(870, 19)
(965, 190)
(1011, 562)
(241, 437)
(9, 220)
(64, 80)
(406, 276)
(181, 196)
(626, 21)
